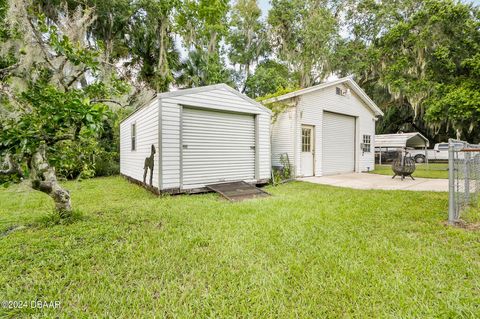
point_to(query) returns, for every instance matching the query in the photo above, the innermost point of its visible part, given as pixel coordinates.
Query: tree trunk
(44, 179)
(13, 167)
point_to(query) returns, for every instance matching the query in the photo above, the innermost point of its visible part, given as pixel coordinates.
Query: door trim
(355, 138)
(312, 145)
(183, 106)
(180, 145)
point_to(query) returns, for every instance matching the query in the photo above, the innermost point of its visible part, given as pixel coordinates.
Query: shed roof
(211, 88)
(221, 86)
(412, 139)
(346, 80)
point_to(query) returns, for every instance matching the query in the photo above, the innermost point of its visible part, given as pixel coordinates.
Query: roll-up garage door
(338, 144)
(217, 147)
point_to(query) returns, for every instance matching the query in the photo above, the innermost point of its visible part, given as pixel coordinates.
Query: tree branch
(107, 101)
(5, 71)
(76, 77)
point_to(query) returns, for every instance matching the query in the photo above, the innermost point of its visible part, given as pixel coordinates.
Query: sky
(265, 5)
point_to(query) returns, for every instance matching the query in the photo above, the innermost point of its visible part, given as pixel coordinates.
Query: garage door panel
(217, 147)
(338, 144)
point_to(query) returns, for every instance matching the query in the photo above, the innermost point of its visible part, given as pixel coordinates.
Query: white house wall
(170, 148)
(132, 162)
(311, 107)
(263, 146)
(283, 132)
(218, 99)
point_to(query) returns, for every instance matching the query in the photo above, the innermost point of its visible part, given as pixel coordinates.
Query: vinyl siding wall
(286, 132)
(263, 152)
(283, 132)
(219, 99)
(311, 107)
(132, 162)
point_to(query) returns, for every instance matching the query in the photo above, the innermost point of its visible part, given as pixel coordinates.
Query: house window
(134, 136)
(306, 139)
(366, 143)
(339, 91)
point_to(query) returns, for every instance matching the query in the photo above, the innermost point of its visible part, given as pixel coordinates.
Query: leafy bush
(284, 172)
(107, 164)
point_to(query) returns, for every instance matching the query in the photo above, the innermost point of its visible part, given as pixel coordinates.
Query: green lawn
(308, 251)
(432, 170)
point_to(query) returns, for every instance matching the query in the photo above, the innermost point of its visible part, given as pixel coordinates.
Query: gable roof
(207, 88)
(346, 80)
(211, 88)
(413, 139)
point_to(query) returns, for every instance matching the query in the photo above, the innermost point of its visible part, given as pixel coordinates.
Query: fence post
(451, 184)
(467, 177)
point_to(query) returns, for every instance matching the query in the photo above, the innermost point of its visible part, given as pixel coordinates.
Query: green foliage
(54, 106)
(305, 32)
(269, 77)
(418, 55)
(247, 38)
(53, 115)
(279, 92)
(283, 173)
(203, 25)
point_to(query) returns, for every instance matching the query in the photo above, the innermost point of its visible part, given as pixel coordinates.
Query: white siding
(132, 162)
(170, 133)
(286, 132)
(312, 105)
(263, 146)
(283, 132)
(218, 99)
(217, 147)
(338, 150)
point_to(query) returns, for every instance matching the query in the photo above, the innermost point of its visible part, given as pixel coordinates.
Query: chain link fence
(464, 180)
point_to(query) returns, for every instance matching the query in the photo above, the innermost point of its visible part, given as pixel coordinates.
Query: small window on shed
(134, 136)
(367, 143)
(339, 91)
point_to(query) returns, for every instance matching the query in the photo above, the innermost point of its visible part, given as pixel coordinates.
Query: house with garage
(184, 140)
(325, 129)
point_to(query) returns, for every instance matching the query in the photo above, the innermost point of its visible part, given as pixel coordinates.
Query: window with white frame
(367, 143)
(134, 136)
(306, 139)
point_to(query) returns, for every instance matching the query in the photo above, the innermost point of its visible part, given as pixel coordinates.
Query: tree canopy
(417, 57)
(70, 69)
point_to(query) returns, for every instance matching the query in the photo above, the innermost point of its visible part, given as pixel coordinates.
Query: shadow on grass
(49, 220)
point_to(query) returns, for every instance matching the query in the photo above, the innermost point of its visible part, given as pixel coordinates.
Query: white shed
(196, 137)
(325, 129)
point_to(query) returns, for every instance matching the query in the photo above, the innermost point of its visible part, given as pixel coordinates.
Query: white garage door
(338, 139)
(217, 147)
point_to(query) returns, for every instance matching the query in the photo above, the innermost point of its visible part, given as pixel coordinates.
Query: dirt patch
(464, 224)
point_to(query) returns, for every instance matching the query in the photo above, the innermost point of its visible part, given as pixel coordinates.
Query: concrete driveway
(376, 181)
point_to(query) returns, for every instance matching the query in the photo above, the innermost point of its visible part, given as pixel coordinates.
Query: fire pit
(403, 166)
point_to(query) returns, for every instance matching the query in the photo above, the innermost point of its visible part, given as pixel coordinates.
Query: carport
(400, 140)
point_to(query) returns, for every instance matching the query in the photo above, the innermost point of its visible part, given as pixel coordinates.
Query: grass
(308, 251)
(432, 170)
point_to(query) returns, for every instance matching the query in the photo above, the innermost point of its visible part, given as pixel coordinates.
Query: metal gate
(464, 179)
